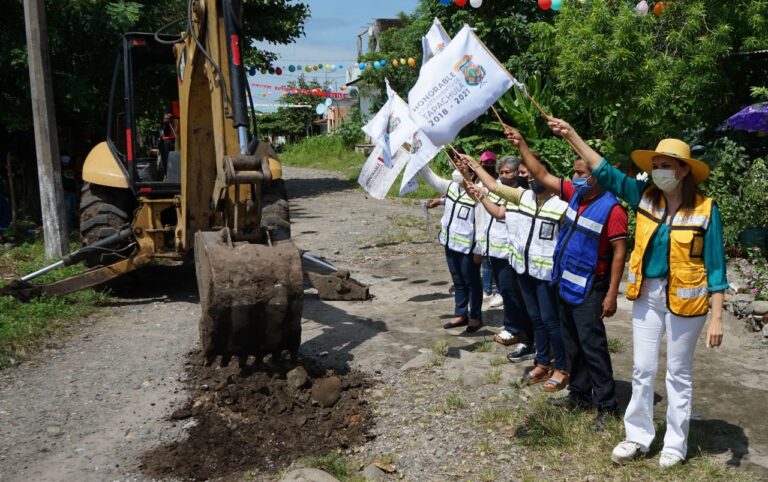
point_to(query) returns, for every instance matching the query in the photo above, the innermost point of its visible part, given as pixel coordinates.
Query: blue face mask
(580, 185)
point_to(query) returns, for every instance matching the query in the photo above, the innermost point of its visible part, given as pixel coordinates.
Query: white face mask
(456, 176)
(665, 179)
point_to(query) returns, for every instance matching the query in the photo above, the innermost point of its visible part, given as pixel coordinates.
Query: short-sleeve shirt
(615, 227)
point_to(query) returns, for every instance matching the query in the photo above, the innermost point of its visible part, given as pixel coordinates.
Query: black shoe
(463, 322)
(473, 328)
(602, 420)
(570, 402)
(521, 353)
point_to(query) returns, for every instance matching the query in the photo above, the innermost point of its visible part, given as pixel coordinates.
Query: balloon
(298, 67)
(411, 62)
(659, 7)
(376, 65)
(445, 2)
(556, 4)
(291, 68)
(341, 66)
(320, 109)
(279, 71)
(314, 67)
(271, 71)
(328, 102)
(252, 71)
(642, 8)
(383, 63)
(476, 3)
(333, 67)
(308, 68)
(461, 3)
(545, 4)
(362, 66)
(402, 61)
(395, 63)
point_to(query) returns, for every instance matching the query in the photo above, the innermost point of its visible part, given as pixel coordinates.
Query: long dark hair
(689, 193)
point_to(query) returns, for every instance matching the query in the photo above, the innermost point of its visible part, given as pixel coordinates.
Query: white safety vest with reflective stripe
(535, 238)
(492, 235)
(457, 231)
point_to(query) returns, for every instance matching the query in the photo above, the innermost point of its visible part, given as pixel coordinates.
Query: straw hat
(673, 148)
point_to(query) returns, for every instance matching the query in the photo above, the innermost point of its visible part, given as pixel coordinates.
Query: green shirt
(656, 256)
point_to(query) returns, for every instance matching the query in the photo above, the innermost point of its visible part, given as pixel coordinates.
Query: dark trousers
(586, 346)
(541, 301)
(468, 294)
(516, 320)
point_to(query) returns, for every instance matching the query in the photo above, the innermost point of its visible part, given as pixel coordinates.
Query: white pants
(650, 319)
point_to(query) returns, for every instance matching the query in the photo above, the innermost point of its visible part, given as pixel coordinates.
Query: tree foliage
(288, 120)
(84, 36)
(635, 79)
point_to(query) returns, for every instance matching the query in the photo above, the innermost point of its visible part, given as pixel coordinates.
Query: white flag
(455, 87)
(376, 177)
(422, 151)
(391, 126)
(434, 41)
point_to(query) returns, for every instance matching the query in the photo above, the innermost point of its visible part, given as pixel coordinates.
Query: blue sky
(330, 38)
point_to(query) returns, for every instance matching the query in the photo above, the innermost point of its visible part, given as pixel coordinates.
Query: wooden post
(46, 137)
(11, 187)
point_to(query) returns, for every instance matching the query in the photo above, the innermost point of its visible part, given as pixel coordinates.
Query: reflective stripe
(570, 213)
(691, 293)
(694, 220)
(591, 225)
(542, 262)
(575, 279)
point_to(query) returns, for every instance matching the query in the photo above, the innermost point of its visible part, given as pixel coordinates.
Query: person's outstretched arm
(487, 180)
(564, 129)
(436, 182)
(535, 168)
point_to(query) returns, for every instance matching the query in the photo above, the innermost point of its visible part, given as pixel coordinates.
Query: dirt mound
(263, 420)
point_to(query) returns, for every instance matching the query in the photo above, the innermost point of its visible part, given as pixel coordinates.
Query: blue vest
(577, 247)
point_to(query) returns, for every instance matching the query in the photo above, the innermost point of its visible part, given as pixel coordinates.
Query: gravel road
(88, 406)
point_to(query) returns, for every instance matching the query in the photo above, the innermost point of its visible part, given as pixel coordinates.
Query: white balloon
(642, 8)
(476, 3)
(320, 109)
(328, 101)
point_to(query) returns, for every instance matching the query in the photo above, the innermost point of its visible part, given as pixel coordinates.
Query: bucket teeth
(251, 298)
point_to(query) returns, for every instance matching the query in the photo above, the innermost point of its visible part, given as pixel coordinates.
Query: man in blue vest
(588, 265)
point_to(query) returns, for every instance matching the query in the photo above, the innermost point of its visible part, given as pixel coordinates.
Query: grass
(498, 361)
(554, 436)
(25, 327)
(324, 152)
(615, 345)
(485, 346)
(333, 462)
(329, 154)
(494, 376)
(455, 402)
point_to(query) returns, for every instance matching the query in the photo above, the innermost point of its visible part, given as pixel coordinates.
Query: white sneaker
(626, 451)
(667, 461)
(487, 297)
(496, 301)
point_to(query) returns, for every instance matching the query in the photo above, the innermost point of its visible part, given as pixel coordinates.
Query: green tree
(291, 121)
(84, 36)
(635, 79)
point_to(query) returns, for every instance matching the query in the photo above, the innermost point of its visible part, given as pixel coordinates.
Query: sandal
(463, 321)
(555, 385)
(538, 374)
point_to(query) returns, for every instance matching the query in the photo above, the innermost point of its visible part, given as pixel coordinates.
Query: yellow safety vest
(687, 292)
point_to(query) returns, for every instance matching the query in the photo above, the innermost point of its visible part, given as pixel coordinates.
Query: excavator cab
(144, 88)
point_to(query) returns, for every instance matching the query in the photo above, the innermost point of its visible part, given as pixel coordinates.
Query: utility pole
(46, 137)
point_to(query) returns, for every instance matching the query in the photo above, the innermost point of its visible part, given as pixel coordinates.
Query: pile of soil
(260, 420)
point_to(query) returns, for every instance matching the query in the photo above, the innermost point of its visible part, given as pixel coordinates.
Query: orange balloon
(395, 63)
(659, 7)
(411, 62)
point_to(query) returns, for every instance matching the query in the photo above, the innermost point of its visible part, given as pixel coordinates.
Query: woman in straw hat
(677, 265)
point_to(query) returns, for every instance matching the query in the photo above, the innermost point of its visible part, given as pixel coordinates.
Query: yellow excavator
(213, 190)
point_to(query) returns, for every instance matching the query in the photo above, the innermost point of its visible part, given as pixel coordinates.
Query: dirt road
(88, 407)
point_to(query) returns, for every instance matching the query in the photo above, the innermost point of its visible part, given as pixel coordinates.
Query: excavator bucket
(251, 298)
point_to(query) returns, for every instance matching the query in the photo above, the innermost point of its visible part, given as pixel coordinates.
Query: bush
(350, 130)
(738, 185)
